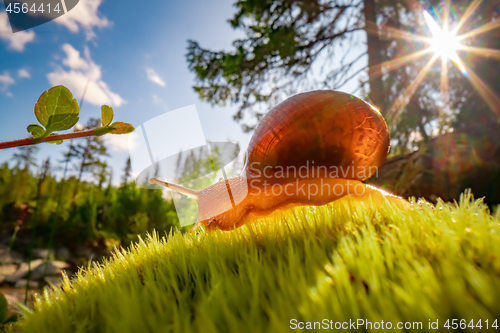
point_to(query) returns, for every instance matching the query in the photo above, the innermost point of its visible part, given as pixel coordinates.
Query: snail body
(311, 149)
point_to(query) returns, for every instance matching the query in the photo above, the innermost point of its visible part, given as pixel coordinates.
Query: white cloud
(154, 77)
(83, 72)
(85, 16)
(6, 79)
(15, 41)
(5, 82)
(73, 59)
(122, 142)
(23, 74)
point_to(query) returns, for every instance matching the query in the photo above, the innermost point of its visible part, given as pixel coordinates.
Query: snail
(311, 149)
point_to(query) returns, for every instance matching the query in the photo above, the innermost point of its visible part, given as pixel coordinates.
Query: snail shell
(311, 132)
(328, 127)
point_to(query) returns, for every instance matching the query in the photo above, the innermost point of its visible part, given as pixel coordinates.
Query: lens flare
(444, 43)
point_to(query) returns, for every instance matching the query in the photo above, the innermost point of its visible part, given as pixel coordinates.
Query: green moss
(337, 262)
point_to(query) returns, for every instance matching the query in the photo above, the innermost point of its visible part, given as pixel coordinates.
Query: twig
(34, 141)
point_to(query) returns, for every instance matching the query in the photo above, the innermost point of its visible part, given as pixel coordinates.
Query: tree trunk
(375, 46)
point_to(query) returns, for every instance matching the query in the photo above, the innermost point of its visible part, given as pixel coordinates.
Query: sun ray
(431, 23)
(445, 44)
(391, 65)
(450, 9)
(446, 18)
(483, 51)
(396, 33)
(403, 100)
(484, 28)
(457, 62)
(468, 12)
(488, 95)
(444, 65)
(444, 82)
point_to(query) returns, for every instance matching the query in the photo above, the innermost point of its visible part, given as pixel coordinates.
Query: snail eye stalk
(193, 194)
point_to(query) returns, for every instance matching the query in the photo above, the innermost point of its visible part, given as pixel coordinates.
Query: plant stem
(34, 141)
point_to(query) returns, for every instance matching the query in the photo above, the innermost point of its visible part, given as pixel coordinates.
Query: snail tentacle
(194, 194)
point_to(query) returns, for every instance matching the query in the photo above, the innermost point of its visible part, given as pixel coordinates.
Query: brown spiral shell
(328, 127)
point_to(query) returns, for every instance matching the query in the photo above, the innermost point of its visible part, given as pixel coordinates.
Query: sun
(444, 42)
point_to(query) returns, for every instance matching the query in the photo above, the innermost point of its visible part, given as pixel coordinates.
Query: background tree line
(84, 208)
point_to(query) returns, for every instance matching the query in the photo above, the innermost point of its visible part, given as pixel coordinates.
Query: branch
(34, 141)
(351, 77)
(62, 115)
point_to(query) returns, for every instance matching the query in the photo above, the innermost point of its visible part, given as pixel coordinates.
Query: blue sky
(134, 55)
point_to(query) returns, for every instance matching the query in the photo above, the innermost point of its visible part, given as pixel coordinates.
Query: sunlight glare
(444, 43)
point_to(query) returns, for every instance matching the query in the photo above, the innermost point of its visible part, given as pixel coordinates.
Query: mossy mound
(337, 262)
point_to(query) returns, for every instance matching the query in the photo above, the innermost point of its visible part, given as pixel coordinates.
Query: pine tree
(127, 172)
(89, 153)
(25, 157)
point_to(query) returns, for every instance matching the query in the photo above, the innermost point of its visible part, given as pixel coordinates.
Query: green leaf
(61, 122)
(4, 308)
(56, 109)
(121, 128)
(35, 130)
(107, 115)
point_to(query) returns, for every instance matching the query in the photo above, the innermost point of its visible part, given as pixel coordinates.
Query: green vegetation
(83, 207)
(340, 261)
(79, 212)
